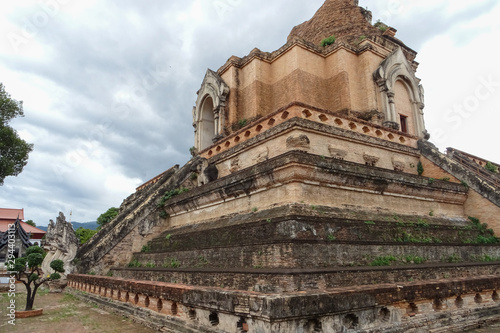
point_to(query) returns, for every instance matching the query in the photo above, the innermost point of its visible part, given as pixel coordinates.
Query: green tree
(31, 223)
(84, 234)
(27, 271)
(108, 216)
(14, 151)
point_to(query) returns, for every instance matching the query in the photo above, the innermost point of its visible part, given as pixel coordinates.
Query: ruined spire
(342, 18)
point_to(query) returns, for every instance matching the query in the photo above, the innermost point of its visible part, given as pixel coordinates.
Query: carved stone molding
(263, 156)
(398, 165)
(336, 153)
(370, 160)
(301, 142)
(235, 165)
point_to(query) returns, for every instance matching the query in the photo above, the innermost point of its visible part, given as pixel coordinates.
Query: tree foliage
(14, 151)
(108, 216)
(84, 234)
(31, 223)
(27, 270)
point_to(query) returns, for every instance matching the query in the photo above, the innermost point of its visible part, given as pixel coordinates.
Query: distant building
(25, 235)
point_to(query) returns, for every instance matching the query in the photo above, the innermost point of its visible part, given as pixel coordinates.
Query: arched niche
(207, 123)
(401, 95)
(209, 113)
(403, 103)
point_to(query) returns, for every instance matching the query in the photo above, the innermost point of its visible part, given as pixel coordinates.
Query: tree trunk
(30, 298)
(29, 303)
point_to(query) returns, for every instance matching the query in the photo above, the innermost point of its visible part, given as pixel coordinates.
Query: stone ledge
(245, 181)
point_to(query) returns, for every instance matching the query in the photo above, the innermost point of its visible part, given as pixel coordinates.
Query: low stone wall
(311, 254)
(438, 305)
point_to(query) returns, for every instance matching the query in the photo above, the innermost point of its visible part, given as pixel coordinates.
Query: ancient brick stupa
(314, 202)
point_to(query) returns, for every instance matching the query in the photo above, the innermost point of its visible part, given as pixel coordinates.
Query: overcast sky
(108, 86)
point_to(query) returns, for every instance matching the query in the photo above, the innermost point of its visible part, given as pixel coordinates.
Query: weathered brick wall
(289, 280)
(432, 170)
(340, 18)
(483, 209)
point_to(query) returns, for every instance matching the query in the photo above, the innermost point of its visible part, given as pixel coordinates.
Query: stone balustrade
(411, 304)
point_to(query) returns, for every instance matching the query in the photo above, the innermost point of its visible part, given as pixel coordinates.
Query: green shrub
(151, 264)
(174, 263)
(202, 261)
(454, 258)
(420, 168)
(383, 261)
(422, 224)
(486, 240)
(146, 248)
(415, 259)
(369, 223)
(168, 195)
(242, 123)
(135, 263)
(474, 220)
(328, 41)
(381, 26)
(491, 167)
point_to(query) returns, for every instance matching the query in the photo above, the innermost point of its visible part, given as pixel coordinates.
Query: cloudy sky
(108, 86)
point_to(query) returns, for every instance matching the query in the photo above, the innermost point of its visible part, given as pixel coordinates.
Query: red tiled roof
(35, 232)
(4, 226)
(11, 214)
